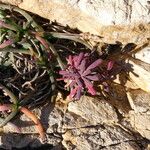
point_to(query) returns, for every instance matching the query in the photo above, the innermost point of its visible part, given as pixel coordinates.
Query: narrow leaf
(95, 64)
(80, 57)
(6, 43)
(92, 77)
(73, 92)
(82, 66)
(110, 65)
(78, 95)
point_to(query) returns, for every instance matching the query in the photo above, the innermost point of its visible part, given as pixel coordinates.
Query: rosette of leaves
(81, 73)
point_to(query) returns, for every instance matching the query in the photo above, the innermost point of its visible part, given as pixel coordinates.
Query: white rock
(144, 55)
(140, 75)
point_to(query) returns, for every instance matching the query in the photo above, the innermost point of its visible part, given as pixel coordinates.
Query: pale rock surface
(122, 122)
(99, 137)
(140, 73)
(114, 20)
(102, 112)
(139, 117)
(143, 55)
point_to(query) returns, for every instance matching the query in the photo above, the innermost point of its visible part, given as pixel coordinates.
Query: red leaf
(79, 59)
(95, 64)
(82, 66)
(86, 72)
(110, 65)
(78, 95)
(89, 86)
(73, 92)
(91, 90)
(92, 77)
(70, 60)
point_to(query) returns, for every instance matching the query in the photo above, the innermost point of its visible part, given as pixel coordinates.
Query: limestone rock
(95, 123)
(102, 112)
(99, 137)
(140, 74)
(124, 21)
(139, 117)
(143, 55)
(140, 100)
(27, 141)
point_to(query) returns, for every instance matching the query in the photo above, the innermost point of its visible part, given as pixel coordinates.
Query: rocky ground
(117, 121)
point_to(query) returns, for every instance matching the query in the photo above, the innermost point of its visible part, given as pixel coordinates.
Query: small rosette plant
(80, 74)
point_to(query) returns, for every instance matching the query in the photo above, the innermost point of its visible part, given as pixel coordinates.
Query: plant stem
(15, 102)
(14, 50)
(74, 37)
(10, 94)
(61, 64)
(8, 118)
(50, 47)
(22, 12)
(38, 125)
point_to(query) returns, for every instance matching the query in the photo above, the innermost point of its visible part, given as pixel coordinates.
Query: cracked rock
(93, 110)
(139, 118)
(100, 137)
(140, 74)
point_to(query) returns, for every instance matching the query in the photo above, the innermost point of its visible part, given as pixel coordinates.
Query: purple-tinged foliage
(110, 65)
(80, 74)
(5, 107)
(7, 26)
(6, 43)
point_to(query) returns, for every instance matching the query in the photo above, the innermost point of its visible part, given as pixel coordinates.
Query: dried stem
(38, 125)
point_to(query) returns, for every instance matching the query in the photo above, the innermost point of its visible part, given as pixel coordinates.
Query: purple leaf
(86, 72)
(79, 82)
(63, 72)
(87, 82)
(72, 84)
(68, 74)
(73, 92)
(75, 58)
(70, 60)
(110, 65)
(89, 86)
(82, 65)
(79, 76)
(5, 107)
(6, 43)
(80, 57)
(92, 77)
(94, 64)
(78, 94)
